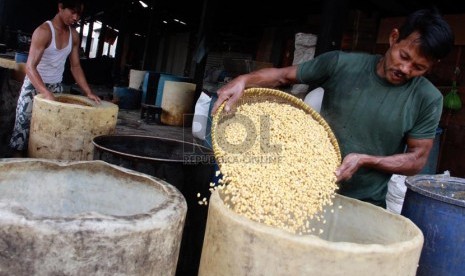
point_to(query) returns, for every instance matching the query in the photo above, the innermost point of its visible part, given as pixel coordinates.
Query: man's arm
(409, 163)
(41, 39)
(76, 69)
(267, 77)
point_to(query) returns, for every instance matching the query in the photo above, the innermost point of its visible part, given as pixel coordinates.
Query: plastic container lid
(444, 188)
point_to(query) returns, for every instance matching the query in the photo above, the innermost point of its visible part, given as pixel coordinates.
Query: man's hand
(94, 97)
(229, 93)
(49, 96)
(350, 164)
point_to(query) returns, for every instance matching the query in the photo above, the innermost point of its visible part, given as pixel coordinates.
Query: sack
(314, 98)
(396, 193)
(199, 123)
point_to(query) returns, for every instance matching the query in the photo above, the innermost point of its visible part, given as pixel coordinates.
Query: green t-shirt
(369, 115)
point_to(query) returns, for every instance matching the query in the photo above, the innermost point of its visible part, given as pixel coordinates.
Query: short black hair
(436, 37)
(75, 5)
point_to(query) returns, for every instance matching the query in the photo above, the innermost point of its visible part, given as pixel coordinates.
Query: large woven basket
(253, 95)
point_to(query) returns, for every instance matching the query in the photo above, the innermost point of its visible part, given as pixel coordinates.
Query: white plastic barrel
(136, 77)
(358, 239)
(86, 218)
(64, 129)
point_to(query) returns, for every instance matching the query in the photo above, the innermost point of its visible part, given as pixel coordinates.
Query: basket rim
(261, 91)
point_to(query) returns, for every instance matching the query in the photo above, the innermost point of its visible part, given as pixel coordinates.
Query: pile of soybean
(278, 165)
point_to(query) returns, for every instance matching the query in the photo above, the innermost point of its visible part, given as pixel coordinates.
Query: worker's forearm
(37, 81)
(268, 77)
(405, 163)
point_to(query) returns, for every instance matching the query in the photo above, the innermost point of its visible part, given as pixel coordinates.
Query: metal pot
(187, 166)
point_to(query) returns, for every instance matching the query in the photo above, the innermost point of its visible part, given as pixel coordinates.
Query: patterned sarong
(20, 136)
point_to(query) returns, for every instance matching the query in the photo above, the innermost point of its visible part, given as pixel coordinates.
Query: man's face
(403, 60)
(70, 16)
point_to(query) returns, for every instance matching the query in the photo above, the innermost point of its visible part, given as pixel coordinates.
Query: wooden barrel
(87, 218)
(356, 239)
(178, 103)
(64, 129)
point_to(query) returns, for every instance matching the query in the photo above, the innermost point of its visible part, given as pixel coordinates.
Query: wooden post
(89, 37)
(101, 40)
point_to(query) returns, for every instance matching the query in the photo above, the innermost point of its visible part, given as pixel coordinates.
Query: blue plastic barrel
(21, 57)
(436, 204)
(127, 98)
(149, 87)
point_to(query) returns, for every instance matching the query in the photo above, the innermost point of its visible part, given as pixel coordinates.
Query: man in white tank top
(52, 42)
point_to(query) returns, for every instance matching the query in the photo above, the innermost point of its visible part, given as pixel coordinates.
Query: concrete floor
(130, 123)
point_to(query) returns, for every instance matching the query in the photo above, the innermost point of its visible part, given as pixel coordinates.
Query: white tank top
(52, 64)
